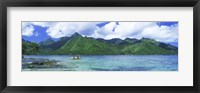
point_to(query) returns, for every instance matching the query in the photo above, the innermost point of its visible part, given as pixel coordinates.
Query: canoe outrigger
(76, 57)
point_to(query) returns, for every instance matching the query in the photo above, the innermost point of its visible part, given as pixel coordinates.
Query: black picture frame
(100, 3)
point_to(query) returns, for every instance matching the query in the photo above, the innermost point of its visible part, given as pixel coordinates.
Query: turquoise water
(110, 63)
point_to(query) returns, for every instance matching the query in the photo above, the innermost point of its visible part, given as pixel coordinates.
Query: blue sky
(166, 23)
(161, 31)
(41, 36)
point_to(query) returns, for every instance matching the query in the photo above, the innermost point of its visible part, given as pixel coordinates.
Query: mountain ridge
(47, 41)
(77, 44)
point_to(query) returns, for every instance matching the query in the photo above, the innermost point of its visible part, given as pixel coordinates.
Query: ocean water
(109, 63)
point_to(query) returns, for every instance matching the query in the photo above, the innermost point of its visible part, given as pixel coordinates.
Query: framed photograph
(136, 46)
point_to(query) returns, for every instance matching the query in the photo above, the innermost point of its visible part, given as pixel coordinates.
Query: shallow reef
(39, 63)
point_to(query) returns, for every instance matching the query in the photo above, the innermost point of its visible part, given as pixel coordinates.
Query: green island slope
(77, 44)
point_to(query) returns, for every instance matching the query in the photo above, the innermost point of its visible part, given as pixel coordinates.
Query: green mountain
(46, 49)
(131, 41)
(77, 44)
(29, 48)
(118, 41)
(47, 42)
(85, 45)
(149, 46)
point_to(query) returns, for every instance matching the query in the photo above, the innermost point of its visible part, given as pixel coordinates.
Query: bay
(104, 63)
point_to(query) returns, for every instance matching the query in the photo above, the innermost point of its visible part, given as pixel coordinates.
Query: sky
(160, 31)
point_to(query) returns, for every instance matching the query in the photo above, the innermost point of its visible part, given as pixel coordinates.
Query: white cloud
(131, 28)
(27, 29)
(43, 24)
(161, 33)
(104, 31)
(107, 29)
(62, 29)
(138, 30)
(121, 30)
